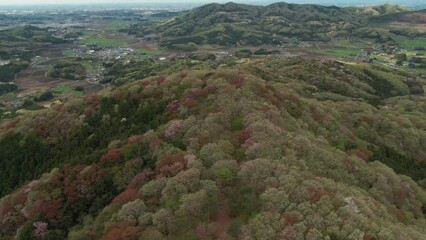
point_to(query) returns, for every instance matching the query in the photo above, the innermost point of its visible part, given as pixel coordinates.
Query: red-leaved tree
(127, 196)
(113, 156)
(52, 210)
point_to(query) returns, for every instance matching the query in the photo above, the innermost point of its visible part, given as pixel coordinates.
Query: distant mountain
(410, 24)
(415, 17)
(241, 24)
(412, 4)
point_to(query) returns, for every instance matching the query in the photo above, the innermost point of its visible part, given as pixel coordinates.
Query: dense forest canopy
(262, 150)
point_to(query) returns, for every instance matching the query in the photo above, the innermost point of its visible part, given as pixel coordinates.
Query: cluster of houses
(94, 77)
(102, 53)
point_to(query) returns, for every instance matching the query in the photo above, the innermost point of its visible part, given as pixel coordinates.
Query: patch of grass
(62, 88)
(380, 58)
(410, 44)
(87, 33)
(342, 42)
(67, 89)
(206, 46)
(87, 65)
(68, 53)
(414, 53)
(77, 94)
(338, 52)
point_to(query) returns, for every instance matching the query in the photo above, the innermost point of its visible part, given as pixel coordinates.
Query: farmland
(338, 52)
(411, 44)
(102, 41)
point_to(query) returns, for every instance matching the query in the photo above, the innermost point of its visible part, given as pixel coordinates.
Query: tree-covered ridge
(366, 82)
(68, 70)
(240, 24)
(207, 154)
(410, 24)
(24, 41)
(77, 134)
(410, 17)
(332, 81)
(20, 44)
(28, 34)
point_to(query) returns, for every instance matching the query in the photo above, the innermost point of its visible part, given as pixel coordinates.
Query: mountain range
(234, 24)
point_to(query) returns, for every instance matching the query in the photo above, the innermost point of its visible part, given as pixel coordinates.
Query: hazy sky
(328, 2)
(90, 1)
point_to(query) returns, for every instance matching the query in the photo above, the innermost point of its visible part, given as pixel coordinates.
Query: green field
(338, 52)
(61, 89)
(88, 65)
(67, 89)
(414, 53)
(77, 94)
(410, 44)
(104, 41)
(380, 58)
(68, 53)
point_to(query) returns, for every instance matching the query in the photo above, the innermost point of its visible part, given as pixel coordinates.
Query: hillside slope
(411, 24)
(239, 24)
(407, 17)
(260, 151)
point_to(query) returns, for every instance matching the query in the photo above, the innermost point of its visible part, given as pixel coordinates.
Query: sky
(325, 2)
(34, 2)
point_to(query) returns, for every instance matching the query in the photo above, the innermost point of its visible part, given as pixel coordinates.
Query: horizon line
(199, 3)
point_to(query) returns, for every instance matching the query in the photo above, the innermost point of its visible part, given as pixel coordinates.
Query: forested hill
(240, 24)
(275, 148)
(413, 17)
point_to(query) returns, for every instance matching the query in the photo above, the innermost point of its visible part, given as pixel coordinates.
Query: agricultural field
(411, 44)
(102, 41)
(64, 89)
(351, 43)
(68, 53)
(61, 89)
(338, 52)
